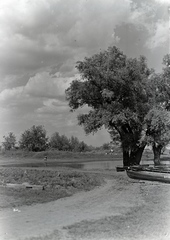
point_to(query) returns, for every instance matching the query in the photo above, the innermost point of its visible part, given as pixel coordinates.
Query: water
(107, 165)
(92, 165)
(150, 162)
(89, 165)
(100, 165)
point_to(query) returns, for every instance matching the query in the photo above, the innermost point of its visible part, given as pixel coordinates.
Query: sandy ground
(120, 209)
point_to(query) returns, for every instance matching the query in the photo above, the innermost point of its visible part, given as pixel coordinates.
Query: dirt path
(128, 210)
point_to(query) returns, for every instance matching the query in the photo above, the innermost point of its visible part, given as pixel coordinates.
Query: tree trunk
(126, 158)
(134, 157)
(157, 153)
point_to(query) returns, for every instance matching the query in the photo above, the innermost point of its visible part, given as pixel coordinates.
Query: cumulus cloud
(69, 31)
(153, 16)
(163, 1)
(44, 93)
(160, 36)
(30, 41)
(46, 85)
(53, 106)
(10, 94)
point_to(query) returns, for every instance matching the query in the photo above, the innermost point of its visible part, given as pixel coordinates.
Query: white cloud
(46, 85)
(153, 16)
(42, 94)
(53, 106)
(162, 1)
(38, 34)
(160, 36)
(8, 95)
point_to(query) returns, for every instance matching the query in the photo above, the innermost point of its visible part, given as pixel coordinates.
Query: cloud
(53, 106)
(162, 1)
(153, 16)
(10, 94)
(47, 85)
(30, 41)
(69, 31)
(43, 93)
(160, 36)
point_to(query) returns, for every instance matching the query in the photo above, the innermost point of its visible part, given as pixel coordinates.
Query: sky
(41, 41)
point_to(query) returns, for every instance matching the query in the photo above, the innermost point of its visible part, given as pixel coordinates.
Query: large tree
(115, 88)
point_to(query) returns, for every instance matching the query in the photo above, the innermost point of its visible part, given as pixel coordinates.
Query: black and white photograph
(84, 119)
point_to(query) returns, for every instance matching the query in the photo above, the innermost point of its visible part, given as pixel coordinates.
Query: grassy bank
(55, 154)
(57, 184)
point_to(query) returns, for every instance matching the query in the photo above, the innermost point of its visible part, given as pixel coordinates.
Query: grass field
(56, 184)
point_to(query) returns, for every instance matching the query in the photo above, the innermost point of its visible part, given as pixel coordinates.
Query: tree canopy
(9, 141)
(34, 139)
(63, 143)
(157, 124)
(158, 130)
(118, 90)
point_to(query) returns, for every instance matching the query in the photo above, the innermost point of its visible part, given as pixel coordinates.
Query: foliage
(34, 139)
(159, 87)
(74, 144)
(116, 89)
(157, 131)
(78, 146)
(157, 124)
(106, 146)
(158, 127)
(65, 144)
(9, 141)
(59, 142)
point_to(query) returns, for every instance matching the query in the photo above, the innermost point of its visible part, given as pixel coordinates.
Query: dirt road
(120, 209)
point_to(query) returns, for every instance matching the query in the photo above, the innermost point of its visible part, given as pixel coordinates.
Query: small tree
(157, 132)
(157, 123)
(106, 146)
(9, 141)
(65, 143)
(34, 139)
(83, 147)
(74, 143)
(59, 142)
(55, 141)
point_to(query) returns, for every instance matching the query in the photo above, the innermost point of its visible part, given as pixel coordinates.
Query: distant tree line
(35, 139)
